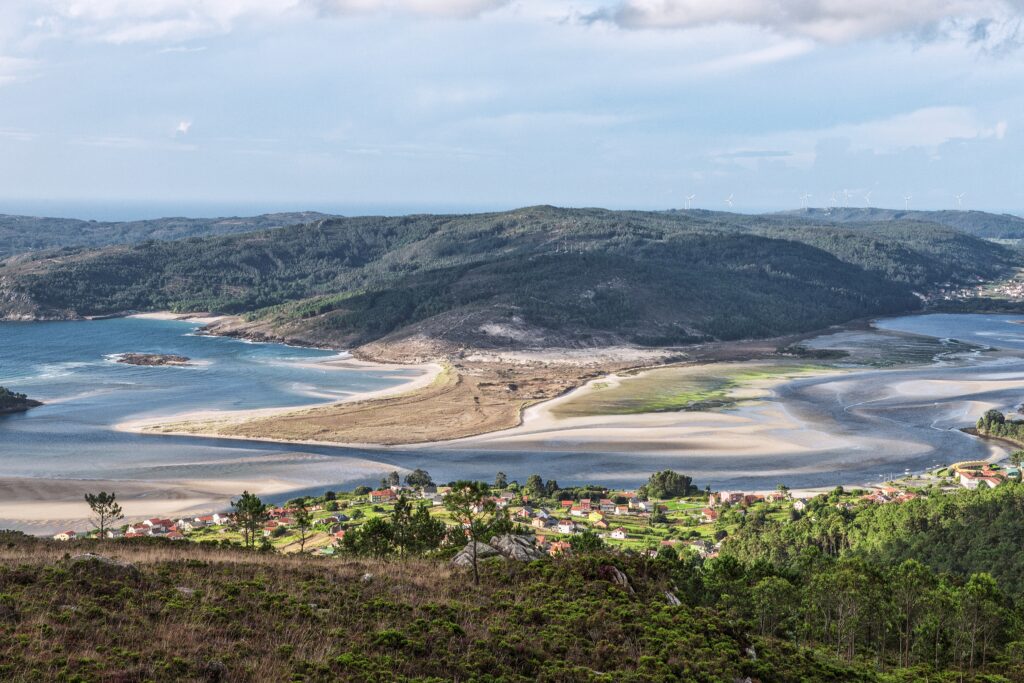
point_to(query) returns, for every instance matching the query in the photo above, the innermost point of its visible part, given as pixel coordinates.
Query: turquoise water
(71, 367)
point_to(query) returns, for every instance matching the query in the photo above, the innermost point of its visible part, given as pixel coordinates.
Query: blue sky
(239, 106)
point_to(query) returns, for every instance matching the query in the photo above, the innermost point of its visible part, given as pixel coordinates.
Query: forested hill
(977, 223)
(539, 276)
(22, 234)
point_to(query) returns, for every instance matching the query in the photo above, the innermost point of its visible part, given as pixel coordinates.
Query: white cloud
(13, 69)
(135, 21)
(829, 21)
(17, 135)
(926, 129)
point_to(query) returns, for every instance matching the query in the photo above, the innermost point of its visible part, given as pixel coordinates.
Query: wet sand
(217, 423)
(46, 506)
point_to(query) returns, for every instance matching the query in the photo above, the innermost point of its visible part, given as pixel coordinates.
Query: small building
(621, 510)
(970, 479)
(799, 505)
(708, 515)
(65, 536)
(618, 534)
(383, 496)
(607, 506)
(567, 526)
(558, 547)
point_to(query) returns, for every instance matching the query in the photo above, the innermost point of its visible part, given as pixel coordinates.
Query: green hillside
(977, 223)
(536, 275)
(846, 590)
(23, 234)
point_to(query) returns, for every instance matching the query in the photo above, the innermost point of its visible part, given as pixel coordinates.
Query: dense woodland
(994, 423)
(23, 234)
(560, 275)
(12, 401)
(977, 223)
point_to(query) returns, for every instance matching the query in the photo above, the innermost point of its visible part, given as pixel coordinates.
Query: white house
(65, 536)
(619, 534)
(567, 526)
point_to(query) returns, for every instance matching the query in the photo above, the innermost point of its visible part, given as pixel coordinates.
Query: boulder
(616, 576)
(464, 558)
(103, 566)
(519, 548)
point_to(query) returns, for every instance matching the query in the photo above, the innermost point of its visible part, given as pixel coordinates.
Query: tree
(104, 509)
(391, 480)
(551, 488)
(668, 484)
(535, 485)
(374, 538)
(773, 598)
(250, 513)
(361, 490)
(303, 522)
(1017, 458)
(500, 480)
(415, 531)
(991, 419)
(418, 479)
(470, 504)
(586, 541)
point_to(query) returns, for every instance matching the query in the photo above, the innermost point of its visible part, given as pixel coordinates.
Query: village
(620, 519)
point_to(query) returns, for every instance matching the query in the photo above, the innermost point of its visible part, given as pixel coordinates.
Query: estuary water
(873, 421)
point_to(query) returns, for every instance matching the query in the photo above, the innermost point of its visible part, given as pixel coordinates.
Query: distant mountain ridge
(977, 223)
(534, 277)
(22, 234)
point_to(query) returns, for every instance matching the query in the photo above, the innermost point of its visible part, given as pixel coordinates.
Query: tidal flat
(852, 420)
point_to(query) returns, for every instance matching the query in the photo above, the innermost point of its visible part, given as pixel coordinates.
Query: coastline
(46, 506)
(183, 424)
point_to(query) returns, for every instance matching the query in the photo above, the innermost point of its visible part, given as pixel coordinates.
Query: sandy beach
(45, 506)
(215, 422)
(201, 318)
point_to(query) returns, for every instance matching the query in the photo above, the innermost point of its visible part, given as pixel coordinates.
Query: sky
(130, 109)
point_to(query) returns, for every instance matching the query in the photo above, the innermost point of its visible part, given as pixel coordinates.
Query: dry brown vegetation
(188, 613)
(467, 399)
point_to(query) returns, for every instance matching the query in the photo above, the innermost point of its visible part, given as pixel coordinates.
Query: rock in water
(153, 359)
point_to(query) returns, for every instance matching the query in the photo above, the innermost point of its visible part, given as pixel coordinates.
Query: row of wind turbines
(833, 200)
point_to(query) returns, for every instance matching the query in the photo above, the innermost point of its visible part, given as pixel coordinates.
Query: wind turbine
(728, 200)
(689, 198)
(867, 198)
(960, 201)
(906, 202)
(846, 197)
(803, 199)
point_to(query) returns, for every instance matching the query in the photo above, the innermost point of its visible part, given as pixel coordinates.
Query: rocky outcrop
(105, 567)
(519, 548)
(153, 359)
(509, 547)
